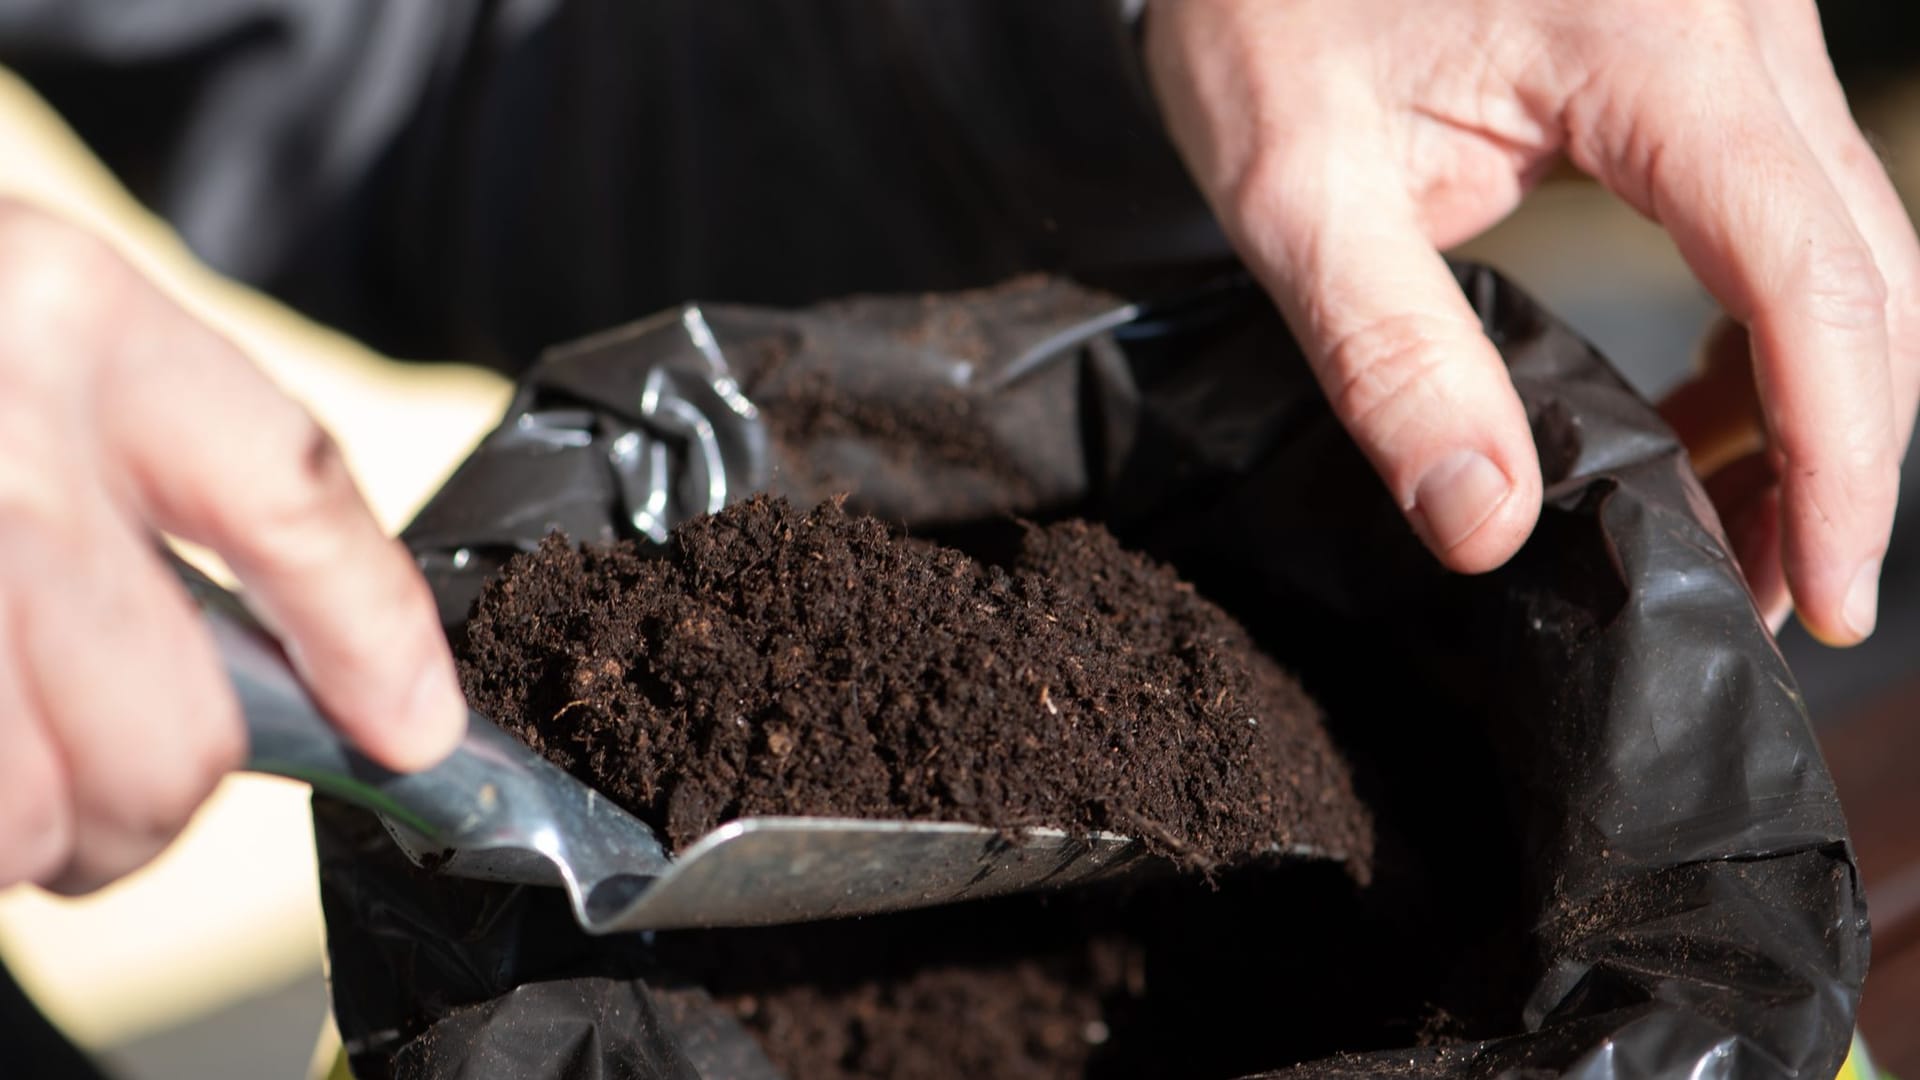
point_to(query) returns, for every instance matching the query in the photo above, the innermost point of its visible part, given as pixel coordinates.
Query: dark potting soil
(774, 661)
(916, 438)
(1020, 1017)
(932, 428)
(1276, 967)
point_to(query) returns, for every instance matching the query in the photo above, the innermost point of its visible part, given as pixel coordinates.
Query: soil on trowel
(775, 661)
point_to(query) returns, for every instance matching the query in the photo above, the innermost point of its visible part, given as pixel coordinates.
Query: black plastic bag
(1597, 750)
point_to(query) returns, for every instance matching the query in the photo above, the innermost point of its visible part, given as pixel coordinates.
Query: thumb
(1397, 349)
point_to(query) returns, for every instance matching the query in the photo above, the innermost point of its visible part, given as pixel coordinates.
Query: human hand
(119, 415)
(1342, 144)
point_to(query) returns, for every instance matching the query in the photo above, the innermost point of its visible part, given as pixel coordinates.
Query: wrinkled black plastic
(1685, 895)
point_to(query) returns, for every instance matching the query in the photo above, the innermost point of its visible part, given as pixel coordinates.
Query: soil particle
(771, 661)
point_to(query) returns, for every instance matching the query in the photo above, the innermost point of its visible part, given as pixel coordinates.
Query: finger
(34, 799)
(1717, 412)
(266, 488)
(1757, 219)
(1794, 50)
(1400, 353)
(124, 682)
(1747, 495)
(1718, 417)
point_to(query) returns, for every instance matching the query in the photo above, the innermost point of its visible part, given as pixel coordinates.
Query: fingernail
(1863, 599)
(1458, 495)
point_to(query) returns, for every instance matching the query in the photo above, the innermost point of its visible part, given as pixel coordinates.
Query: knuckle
(1855, 156)
(302, 497)
(1842, 285)
(1390, 366)
(1618, 112)
(1262, 182)
(1872, 480)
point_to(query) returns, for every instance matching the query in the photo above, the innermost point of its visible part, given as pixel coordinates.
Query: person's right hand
(121, 415)
(1343, 144)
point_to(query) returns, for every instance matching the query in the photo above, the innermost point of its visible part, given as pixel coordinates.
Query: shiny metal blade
(764, 871)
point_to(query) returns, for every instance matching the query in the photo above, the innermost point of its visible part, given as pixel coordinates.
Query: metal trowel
(496, 811)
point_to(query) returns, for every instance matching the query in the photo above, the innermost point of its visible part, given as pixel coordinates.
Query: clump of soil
(771, 661)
